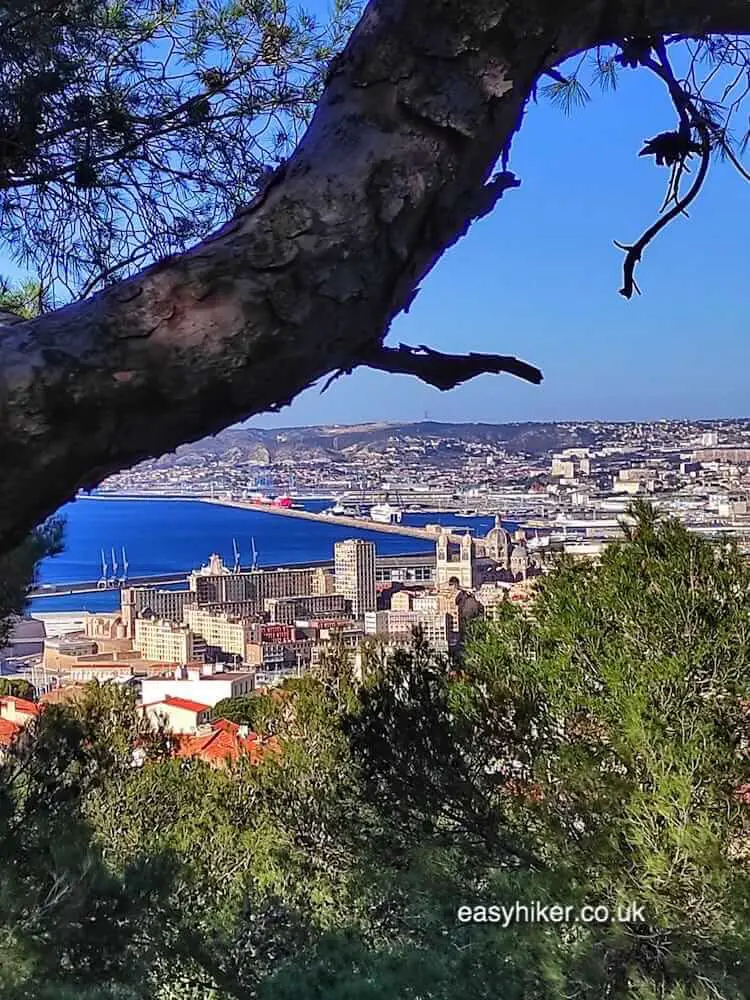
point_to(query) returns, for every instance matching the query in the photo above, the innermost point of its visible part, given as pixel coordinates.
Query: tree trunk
(392, 170)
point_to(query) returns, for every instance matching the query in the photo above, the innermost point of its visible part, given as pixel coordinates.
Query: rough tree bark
(394, 167)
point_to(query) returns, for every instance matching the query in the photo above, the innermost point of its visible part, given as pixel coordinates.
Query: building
(418, 568)
(8, 733)
(398, 627)
(62, 652)
(723, 454)
(223, 742)
(104, 627)
(167, 641)
(165, 605)
(215, 584)
(221, 632)
(18, 711)
(562, 468)
(200, 682)
(287, 610)
(289, 658)
(26, 638)
(178, 715)
(330, 634)
(467, 561)
(354, 562)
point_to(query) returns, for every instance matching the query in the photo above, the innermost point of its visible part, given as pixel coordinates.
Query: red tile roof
(223, 743)
(8, 732)
(186, 703)
(20, 704)
(233, 727)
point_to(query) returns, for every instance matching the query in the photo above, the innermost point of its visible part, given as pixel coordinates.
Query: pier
(360, 523)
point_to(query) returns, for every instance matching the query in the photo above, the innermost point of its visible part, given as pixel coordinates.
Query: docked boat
(283, 501)
(340, 509)
(383, 513)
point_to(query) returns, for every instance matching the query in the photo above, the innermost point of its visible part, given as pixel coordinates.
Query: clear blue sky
(539, 278)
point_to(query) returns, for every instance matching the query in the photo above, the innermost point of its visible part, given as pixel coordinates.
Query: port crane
(103, 580)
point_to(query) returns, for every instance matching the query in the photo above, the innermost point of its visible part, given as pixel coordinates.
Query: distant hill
(344, 441)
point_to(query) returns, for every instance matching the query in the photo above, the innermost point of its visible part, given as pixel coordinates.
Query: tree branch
(446, 371)
(690, 119)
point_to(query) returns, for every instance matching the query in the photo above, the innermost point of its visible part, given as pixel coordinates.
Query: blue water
(170, 536)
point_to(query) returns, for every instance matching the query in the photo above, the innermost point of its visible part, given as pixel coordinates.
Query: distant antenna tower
(236, 556)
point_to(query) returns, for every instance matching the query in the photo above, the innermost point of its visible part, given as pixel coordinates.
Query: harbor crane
(103, 580)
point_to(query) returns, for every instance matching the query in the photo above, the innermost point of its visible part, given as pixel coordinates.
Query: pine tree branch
(690, 119)
(445, 371)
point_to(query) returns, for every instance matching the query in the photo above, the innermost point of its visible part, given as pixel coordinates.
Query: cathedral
(499, 557)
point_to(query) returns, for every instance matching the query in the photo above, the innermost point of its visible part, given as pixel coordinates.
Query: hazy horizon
(252, 425)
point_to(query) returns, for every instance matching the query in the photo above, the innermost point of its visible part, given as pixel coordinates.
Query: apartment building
(165, 605)
(397, 627)
(292, 656)
(287, 610)
(221, 631)
(167, 641)
(215, 584)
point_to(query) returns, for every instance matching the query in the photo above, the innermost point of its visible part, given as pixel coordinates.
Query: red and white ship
(283, 501)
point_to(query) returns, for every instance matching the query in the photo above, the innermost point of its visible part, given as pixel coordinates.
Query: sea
(178, 535)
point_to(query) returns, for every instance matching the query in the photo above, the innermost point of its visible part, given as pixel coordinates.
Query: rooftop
(20, 704)
(8, 732)
(185, 703)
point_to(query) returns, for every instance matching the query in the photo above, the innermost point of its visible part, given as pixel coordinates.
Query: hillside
(344, 441)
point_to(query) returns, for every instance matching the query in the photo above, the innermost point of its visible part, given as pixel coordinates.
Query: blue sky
(539, 278)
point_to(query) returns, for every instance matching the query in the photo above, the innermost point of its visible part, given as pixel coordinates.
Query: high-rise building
(354, 562)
